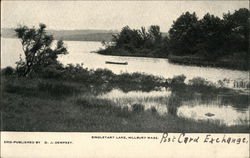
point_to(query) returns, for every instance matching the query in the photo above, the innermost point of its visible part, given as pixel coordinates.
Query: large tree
(128, 39)
(184, 34)
(36, 45)
(237, 28)
(155, 34)
(211, 37)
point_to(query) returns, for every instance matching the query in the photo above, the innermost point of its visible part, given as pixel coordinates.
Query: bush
(178, 79)
(199, 81)
(199, 84)
(103, 75)
(51, 71)
(177, 82)
(8, 71)
(57, 89)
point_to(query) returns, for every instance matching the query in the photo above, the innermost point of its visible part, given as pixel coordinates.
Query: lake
(79, 52)
(229, 110)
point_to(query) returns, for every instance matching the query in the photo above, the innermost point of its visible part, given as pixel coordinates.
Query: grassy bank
(52, 104)
(221, 63)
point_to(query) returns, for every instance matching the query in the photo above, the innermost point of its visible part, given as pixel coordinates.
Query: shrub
(102, 75)
(198, 81)
(57, 89)
(201, 85)
(177, 83)
(178, 79)
(76, 73)
(8, 71)
(51, 71)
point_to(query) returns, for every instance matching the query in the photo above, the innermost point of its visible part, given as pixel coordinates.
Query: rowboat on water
(120, 63)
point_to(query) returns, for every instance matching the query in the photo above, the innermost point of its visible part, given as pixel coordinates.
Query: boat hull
(118, 63)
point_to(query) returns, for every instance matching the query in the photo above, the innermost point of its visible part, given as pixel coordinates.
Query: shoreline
(188, 61)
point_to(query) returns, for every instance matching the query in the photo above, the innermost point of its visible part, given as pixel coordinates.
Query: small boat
(209, 114)
(119, 63)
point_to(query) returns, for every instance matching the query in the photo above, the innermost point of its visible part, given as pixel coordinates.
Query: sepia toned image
(125, 66)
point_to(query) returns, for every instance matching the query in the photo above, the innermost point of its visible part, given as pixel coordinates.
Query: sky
(107, 15)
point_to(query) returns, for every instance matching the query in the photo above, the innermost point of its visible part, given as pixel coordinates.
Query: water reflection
(228, 110)
(150, 99)
(223, 114)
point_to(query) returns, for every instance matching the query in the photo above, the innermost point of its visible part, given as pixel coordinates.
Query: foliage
(7, 71)
(176, 80)
(57, 89)
(199, 81)
(36, 45)
(134, 42)
(211, 38)
(183, 34)
(209, 41)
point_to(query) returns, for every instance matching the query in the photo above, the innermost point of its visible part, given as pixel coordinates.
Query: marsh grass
(91, 114)
(39, 104)
(57, 89)
(138, 108)
(173, 103)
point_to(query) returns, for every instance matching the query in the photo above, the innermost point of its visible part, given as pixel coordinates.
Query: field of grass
(38, 104)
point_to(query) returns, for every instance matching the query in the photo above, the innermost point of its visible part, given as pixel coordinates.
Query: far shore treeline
(209, 41)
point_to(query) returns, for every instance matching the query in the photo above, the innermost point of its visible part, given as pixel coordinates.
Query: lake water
(79, 52)
(225, 110)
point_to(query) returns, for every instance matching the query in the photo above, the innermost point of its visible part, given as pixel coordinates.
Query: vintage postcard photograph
(123, 67)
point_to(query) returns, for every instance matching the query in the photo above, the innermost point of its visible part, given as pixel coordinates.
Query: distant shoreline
(61, 39)
(70, 35)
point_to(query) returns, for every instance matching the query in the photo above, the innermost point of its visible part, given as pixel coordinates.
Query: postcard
(125, 79)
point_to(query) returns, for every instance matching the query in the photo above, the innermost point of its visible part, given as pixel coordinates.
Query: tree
(183, 34)
(237, 28)
(36, 45)
(211, 37)
(128, 39)
(155, 33)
